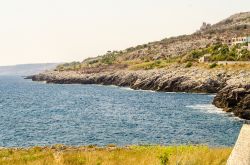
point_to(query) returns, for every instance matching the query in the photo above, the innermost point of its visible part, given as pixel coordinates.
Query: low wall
(241, 152)
(232, 62)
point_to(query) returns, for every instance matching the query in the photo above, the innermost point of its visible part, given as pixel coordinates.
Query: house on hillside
(227, 41)
(239, 40)
(236, 40)
(205, 58)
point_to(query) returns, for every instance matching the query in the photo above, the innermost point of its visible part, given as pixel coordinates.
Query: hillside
(168, 49)
(172, 65)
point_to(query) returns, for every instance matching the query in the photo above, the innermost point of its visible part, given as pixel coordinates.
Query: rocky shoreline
(234, 99)
(233, 91)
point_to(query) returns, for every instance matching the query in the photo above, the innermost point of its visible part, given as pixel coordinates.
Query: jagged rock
(234, 99)
(176, 80)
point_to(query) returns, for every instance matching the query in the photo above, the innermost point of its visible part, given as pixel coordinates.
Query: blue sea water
(35, 113)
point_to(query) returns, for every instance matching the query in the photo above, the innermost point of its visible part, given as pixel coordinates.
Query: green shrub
(218, 57)
(188, 65)
(224, 50)
(93, 62)
(164, 158)
(110, 57)
(245, 55)
(196, 54)
(213, 65)
(69, 66)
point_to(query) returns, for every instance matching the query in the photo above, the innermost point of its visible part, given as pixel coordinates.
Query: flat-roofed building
(227, 41)
(239, 40)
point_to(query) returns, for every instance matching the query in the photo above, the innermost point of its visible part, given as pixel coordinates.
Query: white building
(239, 40)
(248, 40)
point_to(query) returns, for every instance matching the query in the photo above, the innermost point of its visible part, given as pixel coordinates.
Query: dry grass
(168, 64)
(229, 67)
(150, 65)
(133, 155)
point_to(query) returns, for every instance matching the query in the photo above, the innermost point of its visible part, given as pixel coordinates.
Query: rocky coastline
(233, 91)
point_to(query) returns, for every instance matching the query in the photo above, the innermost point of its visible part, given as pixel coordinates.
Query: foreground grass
(133, 155)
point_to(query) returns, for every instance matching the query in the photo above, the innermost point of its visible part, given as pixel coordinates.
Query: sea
(40, 114)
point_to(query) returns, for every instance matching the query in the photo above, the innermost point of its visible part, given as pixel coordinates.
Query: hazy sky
(37, 31)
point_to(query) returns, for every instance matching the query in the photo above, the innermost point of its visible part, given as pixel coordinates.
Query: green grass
(132, 155)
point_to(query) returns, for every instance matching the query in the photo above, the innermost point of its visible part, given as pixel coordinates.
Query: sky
(44, 31)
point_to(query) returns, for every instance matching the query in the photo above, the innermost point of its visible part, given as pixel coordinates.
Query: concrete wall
(241, 152)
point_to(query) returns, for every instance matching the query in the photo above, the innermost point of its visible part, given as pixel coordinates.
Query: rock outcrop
(234, 99)
(174, 80)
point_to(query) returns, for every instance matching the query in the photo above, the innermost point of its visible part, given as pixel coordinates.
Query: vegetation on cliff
(109, 62)
(111, 155)
(220, 52)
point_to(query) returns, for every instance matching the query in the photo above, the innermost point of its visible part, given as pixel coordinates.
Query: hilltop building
(205, 26)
